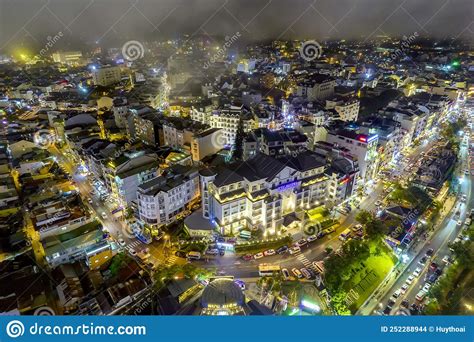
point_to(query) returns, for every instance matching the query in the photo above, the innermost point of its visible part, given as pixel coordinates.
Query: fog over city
(30, 22)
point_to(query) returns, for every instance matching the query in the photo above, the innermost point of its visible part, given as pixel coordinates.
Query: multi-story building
(161, 199)
(273, 143)
(106, 75)
(361, 146)
(123, 175)
(317, 87)
(346, 108)
(343, 172)
(68, 57)
(206, 143)
(262, 191)
(228, 118)
(179, 133)
(145, 125)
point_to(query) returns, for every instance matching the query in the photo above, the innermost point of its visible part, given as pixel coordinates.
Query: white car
(103, 215)
(397, 293)
(426, 287)
(446, 259)
(132, 252)
(258, 256)
(90, 201)
(311, 238)
(404, 288)
(269, 252)
(459, 223)
(294, 250)
(410, 280)
(416, 273)
(121, 242)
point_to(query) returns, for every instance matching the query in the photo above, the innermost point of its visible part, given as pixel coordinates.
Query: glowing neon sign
(288, 186)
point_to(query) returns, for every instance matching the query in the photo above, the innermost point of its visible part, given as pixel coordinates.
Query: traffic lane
(437, 243)
(116, 229)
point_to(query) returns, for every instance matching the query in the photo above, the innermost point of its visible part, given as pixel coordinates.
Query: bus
(193, 256)
(345, 235)
(268, 269)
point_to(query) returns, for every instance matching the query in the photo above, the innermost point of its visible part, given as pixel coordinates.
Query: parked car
(103, 215)
(397, 293)
(447, 259)
(404, 288)
(417, 272)
(306, 273)
(258, 256)
(285, 273)
(212, 251)
(410, 280)
(423, 260)
(420, 296)
(282, 249)
(426, 287)
(247, 257)
(429, 252)
(433, 266)
(301, 243)
(297, 273)
(269, 252)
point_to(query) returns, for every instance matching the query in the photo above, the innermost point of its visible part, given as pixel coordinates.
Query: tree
(239, 137)
(356, 250)
(363, 217)
(118, 262)
(338, 303)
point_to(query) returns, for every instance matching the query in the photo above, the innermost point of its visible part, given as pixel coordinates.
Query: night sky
(30, 22)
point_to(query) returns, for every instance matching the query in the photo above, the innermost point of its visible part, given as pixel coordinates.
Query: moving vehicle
(294, 250)
(268, 269)
(311, 238)
(121, 242)
(103, 215)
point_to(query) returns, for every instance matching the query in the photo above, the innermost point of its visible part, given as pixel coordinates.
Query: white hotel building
(161, 199)
(264, 192)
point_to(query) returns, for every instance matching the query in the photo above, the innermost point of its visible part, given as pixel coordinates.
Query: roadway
(447, 232)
